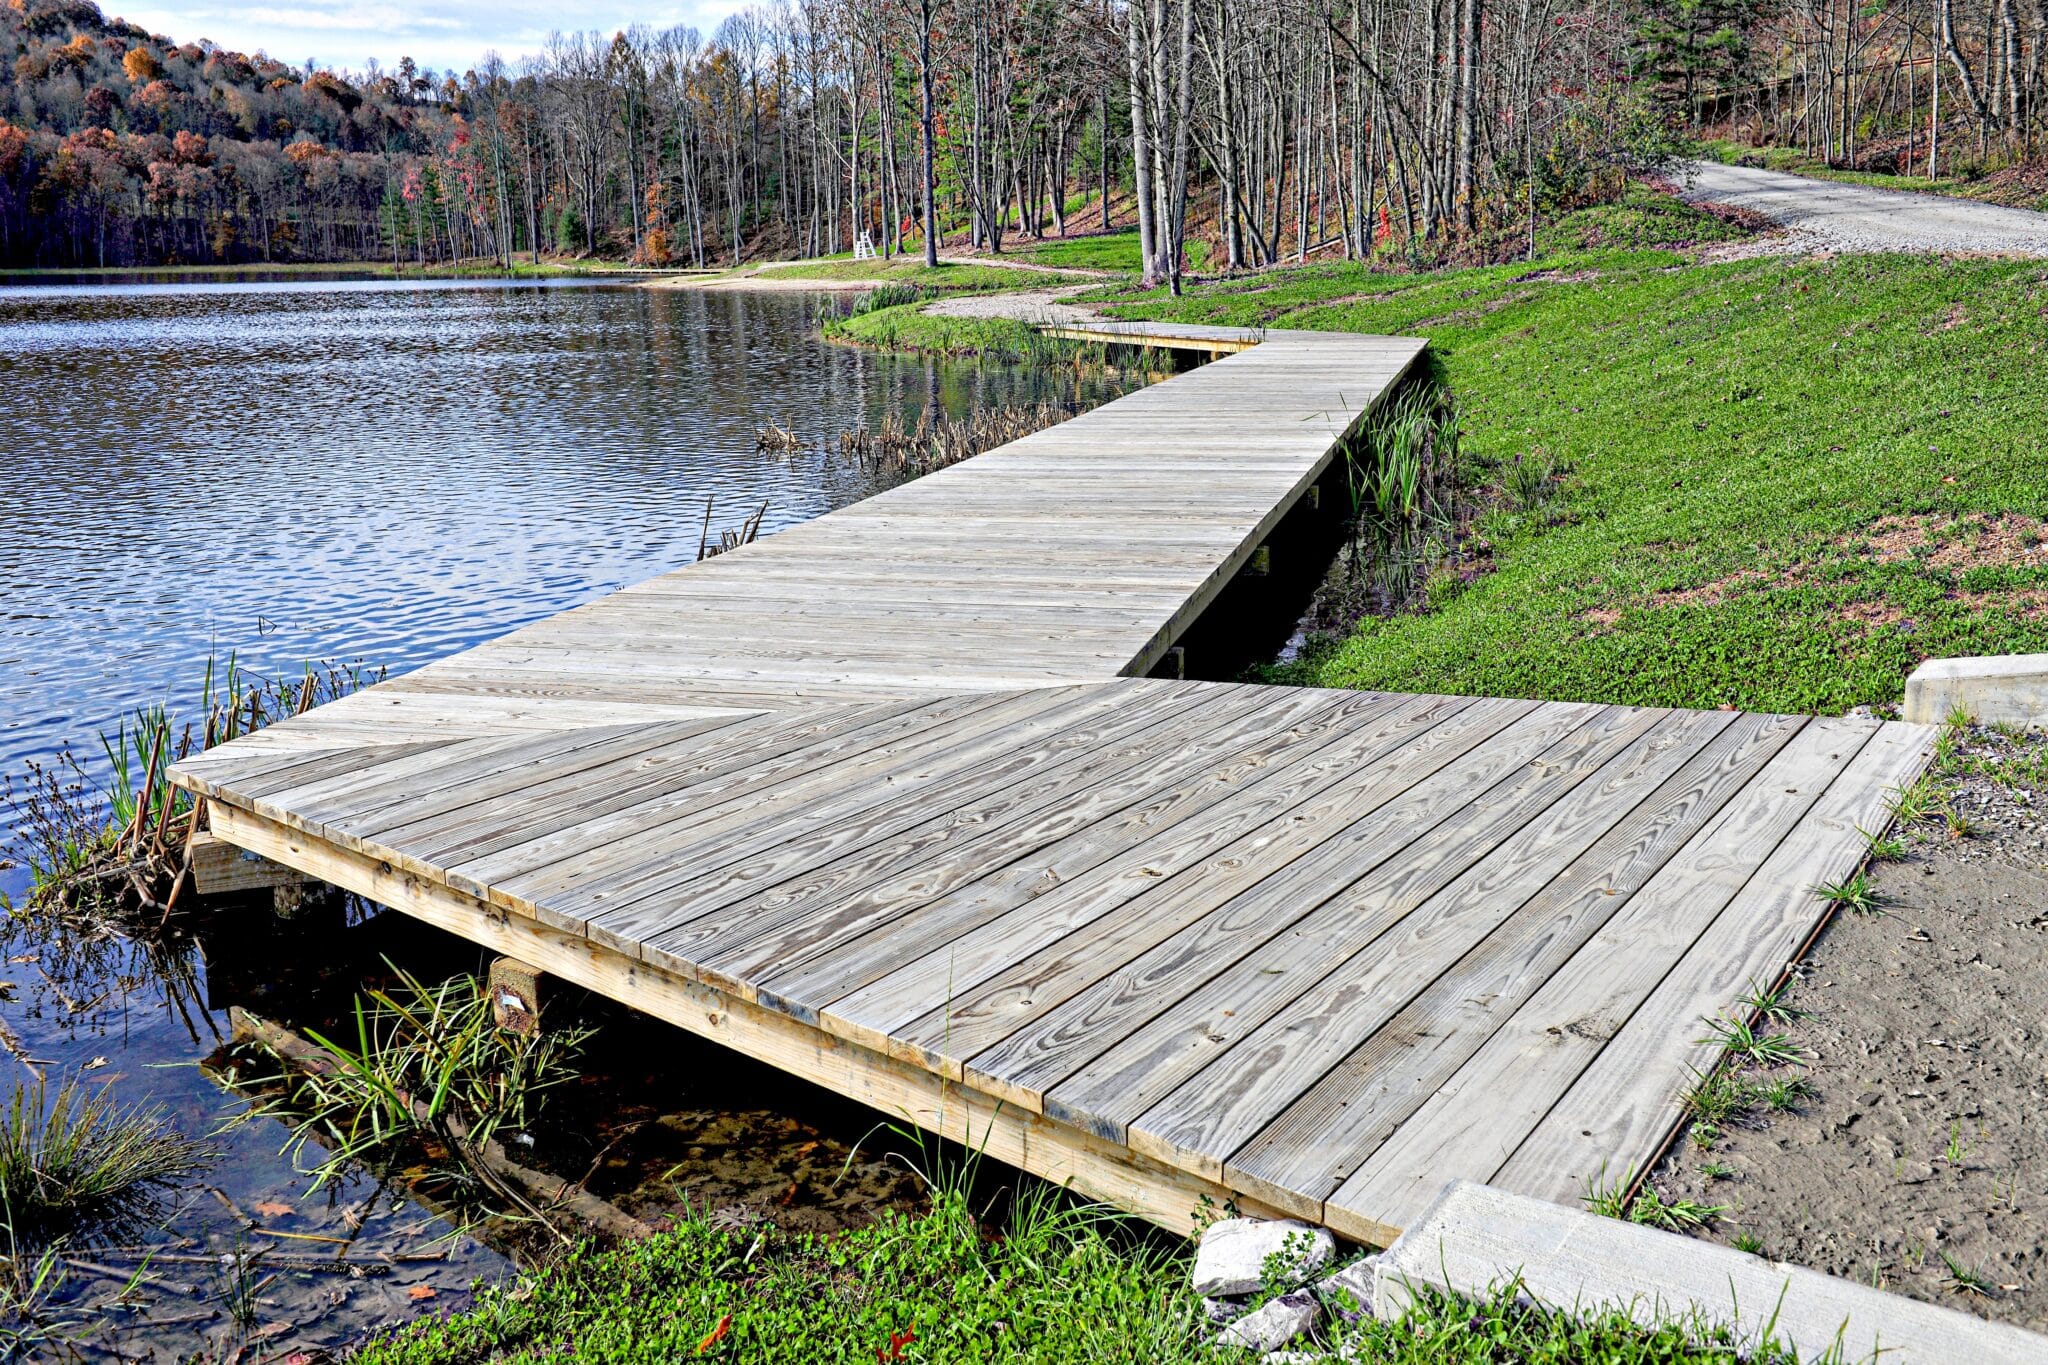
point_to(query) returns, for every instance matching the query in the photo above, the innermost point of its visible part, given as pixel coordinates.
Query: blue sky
(436, 33)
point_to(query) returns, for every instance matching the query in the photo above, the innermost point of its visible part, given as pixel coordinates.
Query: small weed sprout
(1855, 893)
(1746, 1241)
(1782, 1094)
(1768, 1003)
(1717, 1170)
(1958, 825)
(1881, 848)
(1962, 1279)
(1956, 1149)
(1609, 1199)
(1673, 1215)
(1740, 1039)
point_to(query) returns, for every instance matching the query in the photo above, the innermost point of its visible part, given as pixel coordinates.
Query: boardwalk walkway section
(886, 801)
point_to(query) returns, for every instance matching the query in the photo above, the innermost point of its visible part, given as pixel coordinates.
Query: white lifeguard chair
(863, 248)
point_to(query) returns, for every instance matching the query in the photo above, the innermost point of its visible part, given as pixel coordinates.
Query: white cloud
(443, 34)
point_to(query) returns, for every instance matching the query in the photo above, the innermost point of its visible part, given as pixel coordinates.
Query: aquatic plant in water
(428, 1067)
(78, 1166)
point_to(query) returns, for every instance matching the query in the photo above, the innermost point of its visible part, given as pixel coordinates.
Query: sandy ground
(1924, 1139)
(1036, 305)
(1828, 215)
(771, 276)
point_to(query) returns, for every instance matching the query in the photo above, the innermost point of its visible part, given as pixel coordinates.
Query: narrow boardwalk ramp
(881, 801)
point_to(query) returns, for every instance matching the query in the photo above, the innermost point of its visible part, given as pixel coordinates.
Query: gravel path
(1841, 217)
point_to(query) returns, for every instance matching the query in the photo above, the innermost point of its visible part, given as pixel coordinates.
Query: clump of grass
(1856, 893)
(1962, 1279)
(1622, 1199)
(1748, 1242)
(1740, 1039)
(77, 1166)
(1408, 502)
(427, 1068)
(899, 452)
(894, 294)
(1769, 1003)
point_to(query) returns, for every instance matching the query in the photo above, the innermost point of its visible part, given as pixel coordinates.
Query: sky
(436, 33)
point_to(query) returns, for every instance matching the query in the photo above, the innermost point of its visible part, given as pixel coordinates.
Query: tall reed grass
(77, 1166)
(426, 1071)
(98, 842)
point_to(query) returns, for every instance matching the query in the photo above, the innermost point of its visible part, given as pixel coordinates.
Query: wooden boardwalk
(886, 801)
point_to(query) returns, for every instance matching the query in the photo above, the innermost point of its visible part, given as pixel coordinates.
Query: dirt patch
(1601, 617)
(1719, 590)
(1918, 1158)
(1558, 276)
(1955, 317)
(1959, 544)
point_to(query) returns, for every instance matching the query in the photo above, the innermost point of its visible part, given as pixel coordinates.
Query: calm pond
(383, 473)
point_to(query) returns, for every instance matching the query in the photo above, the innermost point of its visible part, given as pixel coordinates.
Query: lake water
(382, 473)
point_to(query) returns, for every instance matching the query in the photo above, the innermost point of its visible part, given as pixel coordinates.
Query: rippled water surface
(381, 473)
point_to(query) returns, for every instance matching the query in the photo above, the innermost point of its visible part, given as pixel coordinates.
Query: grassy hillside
(1787, 481)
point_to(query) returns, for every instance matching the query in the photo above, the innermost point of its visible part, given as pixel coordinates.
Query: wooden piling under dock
(889, 800)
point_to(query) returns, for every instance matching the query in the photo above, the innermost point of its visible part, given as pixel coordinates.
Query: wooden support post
(1315, 497)
(289, 900)
(220, 869)
(1175, 664)
(515, 995)
(1261, 562)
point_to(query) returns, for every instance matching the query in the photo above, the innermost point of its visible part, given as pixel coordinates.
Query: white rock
(1232, 1257)
(1349, 1292)
(1273, 1326)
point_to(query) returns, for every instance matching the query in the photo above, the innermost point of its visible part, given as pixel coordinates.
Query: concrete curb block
(2003, 688)
(1474, 1238)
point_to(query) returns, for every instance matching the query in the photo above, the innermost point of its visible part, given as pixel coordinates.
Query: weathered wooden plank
(861, 809)
(1240, 1032)
(1283, 767)
(1034, 1023)
(1477, 1117)
(960, 843)
(1533, 917)
(1191, 857)
(1622, 1105)
(621, 851)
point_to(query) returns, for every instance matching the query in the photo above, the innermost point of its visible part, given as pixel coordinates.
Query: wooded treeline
(1906, 86)
(1275, 129)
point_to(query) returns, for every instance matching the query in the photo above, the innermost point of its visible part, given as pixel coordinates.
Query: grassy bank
(908, 328)
(911, 270)
(1780, 483)
(1059, 1283)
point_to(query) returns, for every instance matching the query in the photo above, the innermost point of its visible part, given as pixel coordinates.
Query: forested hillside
(1276, 129)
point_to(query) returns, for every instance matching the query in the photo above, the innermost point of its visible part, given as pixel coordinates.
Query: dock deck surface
(885, 800)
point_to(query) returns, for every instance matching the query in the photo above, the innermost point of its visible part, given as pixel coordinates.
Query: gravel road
(1839, 217)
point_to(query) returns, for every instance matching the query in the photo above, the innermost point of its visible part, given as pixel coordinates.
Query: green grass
(907, 328)
(1733, 436)
(1100, 251)
(912, 270)
(1062, 1283)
